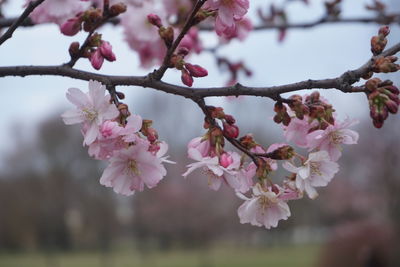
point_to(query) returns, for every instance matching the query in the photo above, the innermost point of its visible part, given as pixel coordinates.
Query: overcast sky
(321, 52)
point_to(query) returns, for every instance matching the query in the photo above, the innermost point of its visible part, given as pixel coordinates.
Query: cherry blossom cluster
(138, 19)
(125, 140)
(383, 96)
(165, 34)
(309, 123)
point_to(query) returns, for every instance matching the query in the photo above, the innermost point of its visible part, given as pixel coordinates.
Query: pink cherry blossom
(297, 131)
(264, 208)
(317, 171)
(142, 36)
(191, 41)
(332, 137)
(92, 109)
(229, 12)
(231, 174)
(131, 129)
(57, 11)
(242, 30)
(200, 144)
(132, 168)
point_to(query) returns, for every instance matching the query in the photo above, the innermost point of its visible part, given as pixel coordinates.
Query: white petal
(72, 116)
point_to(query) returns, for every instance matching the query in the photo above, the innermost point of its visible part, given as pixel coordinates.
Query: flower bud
(230, 119)
(151, 134)
(117, 9)
(196, 70)
(384, 30)
(167, 34)
(154, 19)
(372, 84)
(71, 26)
(378, 44)
(106, 51)
(225, 160)
(186, 78)
(74, 49)
(392, 106)
(231, 131)
(377, 123)
(123, 110)
(282, 153)
(247, 141)
(96, 59)
(120, 95)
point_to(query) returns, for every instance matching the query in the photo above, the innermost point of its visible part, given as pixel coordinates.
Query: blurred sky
(322, 52)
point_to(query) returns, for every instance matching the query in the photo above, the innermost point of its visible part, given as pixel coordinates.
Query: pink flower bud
(196, 70)
(71, 26)
(106, 51)
(392, 106)
(155, 20)
(231, 131)
(225, 160)
(97, 59)
(152, 135)
(384, 30)
(186, 78)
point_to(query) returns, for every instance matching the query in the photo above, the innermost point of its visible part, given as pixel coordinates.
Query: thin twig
(8, 34)
(158, 74)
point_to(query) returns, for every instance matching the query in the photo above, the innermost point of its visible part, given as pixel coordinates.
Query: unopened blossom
(264, 208)
(57, 11)
(72, 26)
(97, 59)
(229, 12)
(132, 168)
(332, 137)
(92, 109)
(106, 51)
(317, 171)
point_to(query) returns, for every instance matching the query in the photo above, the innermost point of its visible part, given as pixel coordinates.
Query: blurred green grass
(293, 256)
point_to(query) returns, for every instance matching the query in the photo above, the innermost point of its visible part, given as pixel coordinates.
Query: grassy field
(295, 256)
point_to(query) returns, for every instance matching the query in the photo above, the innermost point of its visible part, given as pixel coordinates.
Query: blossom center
(132, 167)
(90, 114)
(336, 137)
(314, 167)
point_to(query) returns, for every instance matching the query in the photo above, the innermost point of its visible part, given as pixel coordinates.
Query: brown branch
(394, 18)
(158, 74)
(343, 83)
(388, 19)
(8, 34)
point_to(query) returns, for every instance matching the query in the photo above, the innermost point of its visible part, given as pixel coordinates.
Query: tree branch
(343, 83)
(395, 18)
(8, 34)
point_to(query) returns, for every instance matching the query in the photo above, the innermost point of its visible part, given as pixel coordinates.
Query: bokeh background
(54, 212)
